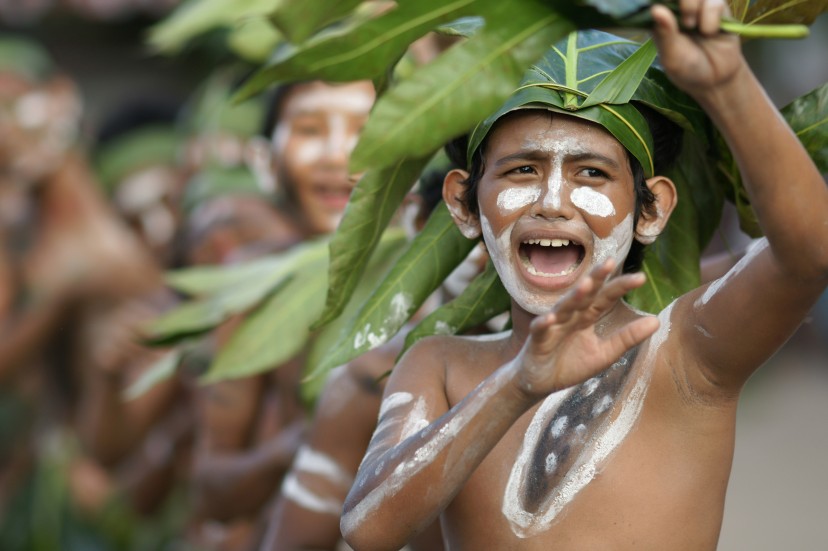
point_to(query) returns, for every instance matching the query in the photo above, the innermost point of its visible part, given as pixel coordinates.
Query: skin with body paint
(592, 425)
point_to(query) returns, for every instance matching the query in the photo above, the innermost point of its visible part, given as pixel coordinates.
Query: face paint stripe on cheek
(592, 202)
(515, 198)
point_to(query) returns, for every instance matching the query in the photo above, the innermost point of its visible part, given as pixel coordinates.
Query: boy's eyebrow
(540, 155)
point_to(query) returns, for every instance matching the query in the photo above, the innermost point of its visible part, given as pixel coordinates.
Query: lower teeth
(531, 269)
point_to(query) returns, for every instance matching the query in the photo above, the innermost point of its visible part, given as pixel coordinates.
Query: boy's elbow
(360, 534)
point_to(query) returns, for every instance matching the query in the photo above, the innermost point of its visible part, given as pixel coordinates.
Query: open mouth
(551, 257)
(334, 197)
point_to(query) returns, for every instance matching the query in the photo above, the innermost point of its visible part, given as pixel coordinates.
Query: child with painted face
(316, 126)
(591, 425)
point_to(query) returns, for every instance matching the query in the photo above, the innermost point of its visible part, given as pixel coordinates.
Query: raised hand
(697, 56)
(564, 349)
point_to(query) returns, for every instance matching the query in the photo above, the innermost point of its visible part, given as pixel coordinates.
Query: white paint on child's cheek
(616, 245)
(499, 248)
(757, 246)
(311, 461)
(607, 439)
(296, 492)
(592, 202)
(432, 442)
(514, 198)
(310, 151)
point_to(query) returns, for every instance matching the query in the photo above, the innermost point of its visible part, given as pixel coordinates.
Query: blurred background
(778, 489)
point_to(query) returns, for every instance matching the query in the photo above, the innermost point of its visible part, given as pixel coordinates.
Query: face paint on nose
(616, 245)
(515, 198)
(592, 202)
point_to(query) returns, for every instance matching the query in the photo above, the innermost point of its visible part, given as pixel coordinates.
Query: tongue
(552, 260)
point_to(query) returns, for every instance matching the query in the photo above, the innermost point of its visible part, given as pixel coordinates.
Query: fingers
(632, 334)
(710, 17)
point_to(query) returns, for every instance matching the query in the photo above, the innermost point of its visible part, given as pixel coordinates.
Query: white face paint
(616, 245)
(500, 250)
(514, 198)
(592, 202)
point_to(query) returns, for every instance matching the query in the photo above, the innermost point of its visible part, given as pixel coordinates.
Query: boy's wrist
(728, 95)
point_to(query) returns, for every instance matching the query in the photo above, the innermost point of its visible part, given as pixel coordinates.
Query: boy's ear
(650, 226)
(453, 191)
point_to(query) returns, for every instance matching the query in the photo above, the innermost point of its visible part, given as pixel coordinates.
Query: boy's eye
(593, 173)
(526, 169)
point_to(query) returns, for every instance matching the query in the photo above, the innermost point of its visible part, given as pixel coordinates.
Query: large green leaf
(197, 17)
(621, 83)
(785, 11)
(373, 203)
(432, 255)
(203, 314)
(223, 291)
(299, 20)
(450, 95)
(484, 298)
(281, 327)
(362, 52)
(808, 116)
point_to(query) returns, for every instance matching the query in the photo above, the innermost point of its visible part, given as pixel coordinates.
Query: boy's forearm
(398, 492)
(785, 188)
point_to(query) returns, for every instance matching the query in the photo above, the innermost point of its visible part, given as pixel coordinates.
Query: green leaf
(433, 254)
(785, 11)
(362, 52)
(672, 262)
(808, 116)
(483, 299)
(197, 17)
(223, 291)
(464, 27)
(203, 314)
(253, 39)
(447, 97)
(280, 328)
(373, 203)
(158, 372)
(299, 20)
(621, 84)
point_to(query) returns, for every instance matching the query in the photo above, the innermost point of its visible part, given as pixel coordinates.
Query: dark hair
(667, 140)
(275, 101)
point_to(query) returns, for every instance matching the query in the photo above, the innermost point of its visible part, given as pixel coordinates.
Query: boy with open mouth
(591, 425)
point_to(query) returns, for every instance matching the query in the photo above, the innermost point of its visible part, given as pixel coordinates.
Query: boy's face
(556, 199)
(318, 127)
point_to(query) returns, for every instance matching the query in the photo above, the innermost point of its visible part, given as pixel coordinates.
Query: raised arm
(735, 323)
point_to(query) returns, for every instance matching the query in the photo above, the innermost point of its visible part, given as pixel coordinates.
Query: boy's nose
(554, 200)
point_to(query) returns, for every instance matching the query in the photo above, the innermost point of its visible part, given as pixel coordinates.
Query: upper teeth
(548, 242)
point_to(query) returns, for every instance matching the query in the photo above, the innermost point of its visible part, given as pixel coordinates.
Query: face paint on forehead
(344, 99)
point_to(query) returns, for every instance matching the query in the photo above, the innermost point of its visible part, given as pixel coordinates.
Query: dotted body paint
(554, 465)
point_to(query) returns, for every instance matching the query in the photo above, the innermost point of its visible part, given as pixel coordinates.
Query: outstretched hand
(697, 56)
(564, 349)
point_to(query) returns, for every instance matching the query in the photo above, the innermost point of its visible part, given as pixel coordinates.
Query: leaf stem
(764, 31)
